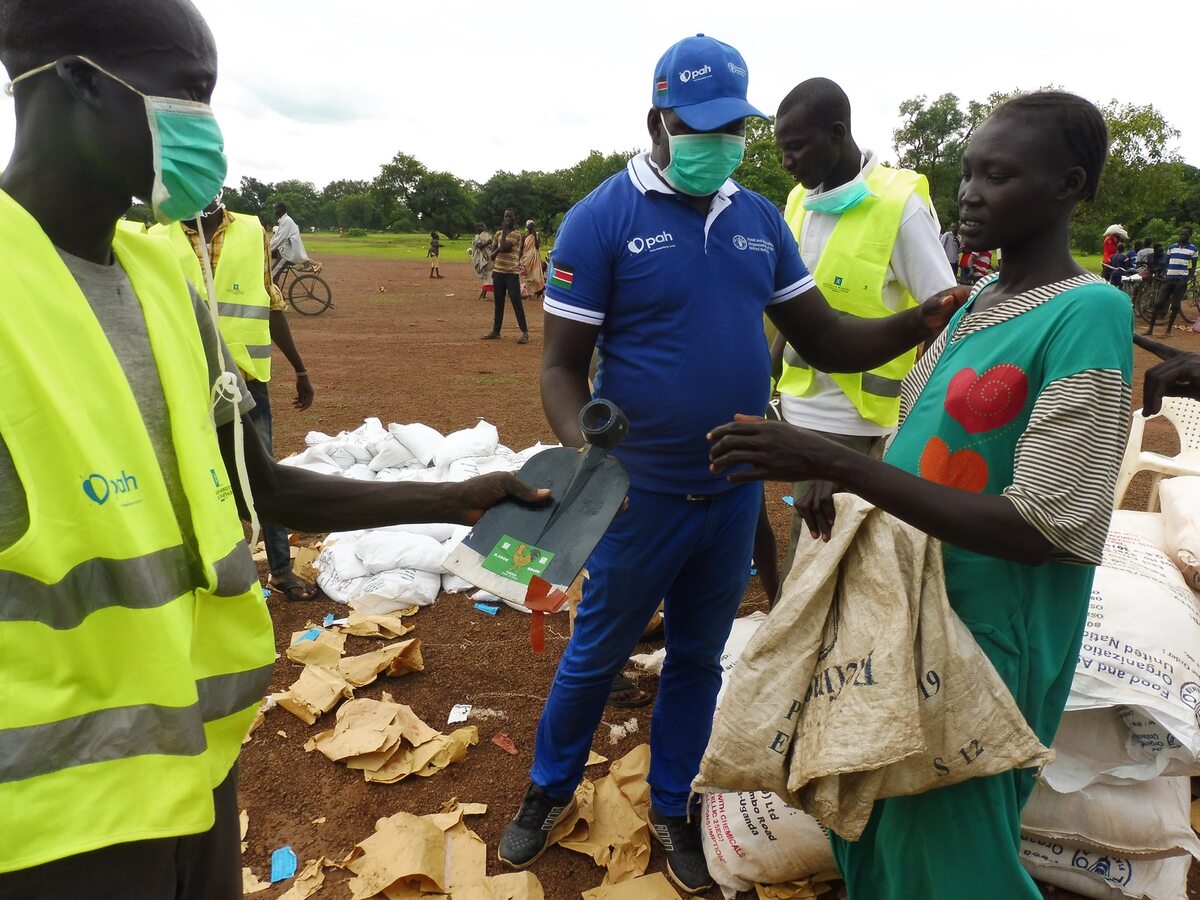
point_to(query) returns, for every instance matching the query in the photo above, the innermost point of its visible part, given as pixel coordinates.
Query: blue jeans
(695, 556)
(275, 537)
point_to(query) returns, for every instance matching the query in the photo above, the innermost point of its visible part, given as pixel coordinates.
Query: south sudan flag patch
(660, 87)
(561, 275)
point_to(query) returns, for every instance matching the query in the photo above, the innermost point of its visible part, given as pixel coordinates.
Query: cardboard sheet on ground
(384, 625)
(250, 882)
(509, 886)
(388, 742)
(308, 882)
(316, 691)
(612, 827)
(514, 542)
(393, 660)
(645, 887)
(325, 650)
(791, 890)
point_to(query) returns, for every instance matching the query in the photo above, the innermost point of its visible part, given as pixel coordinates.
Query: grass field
(382, 245)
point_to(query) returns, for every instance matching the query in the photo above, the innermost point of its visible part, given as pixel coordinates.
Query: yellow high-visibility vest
(851, 273)
(243, 304)
(132, 659)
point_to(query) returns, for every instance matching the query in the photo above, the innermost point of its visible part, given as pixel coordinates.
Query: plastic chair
(1184, 415)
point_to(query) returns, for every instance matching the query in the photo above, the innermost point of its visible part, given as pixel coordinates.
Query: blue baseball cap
(705, 82)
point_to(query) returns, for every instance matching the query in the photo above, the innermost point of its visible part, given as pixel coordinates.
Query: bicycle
(308, 293)
(1147, 299)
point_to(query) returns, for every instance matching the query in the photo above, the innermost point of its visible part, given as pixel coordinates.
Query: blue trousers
(275, 537)
(694, 555)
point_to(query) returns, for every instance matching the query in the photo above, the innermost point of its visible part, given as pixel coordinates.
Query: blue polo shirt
(679, 297)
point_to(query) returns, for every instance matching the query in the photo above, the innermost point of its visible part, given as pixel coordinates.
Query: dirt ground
(405, 348)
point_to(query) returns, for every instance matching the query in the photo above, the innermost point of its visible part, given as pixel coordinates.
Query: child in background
(1033, 370)
(435, 249)
(981, 265)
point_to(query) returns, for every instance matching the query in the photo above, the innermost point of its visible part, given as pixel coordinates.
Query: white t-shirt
(287, 240)
(918, 263)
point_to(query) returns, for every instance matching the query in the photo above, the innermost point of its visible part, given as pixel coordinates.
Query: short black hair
(821, 98)
(36, 32)
(279, 204)
(1077, 123)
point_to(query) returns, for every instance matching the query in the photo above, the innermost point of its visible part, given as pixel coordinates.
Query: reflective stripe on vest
(133, 652)
(851, 274)
(243, 304)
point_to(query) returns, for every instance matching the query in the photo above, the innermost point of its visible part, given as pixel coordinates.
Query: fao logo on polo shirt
(661, 241)
(761, 245)
(695, 74)
(740, 242)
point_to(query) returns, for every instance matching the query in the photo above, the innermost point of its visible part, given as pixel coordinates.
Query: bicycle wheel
(1147, 300)
(1189, 309)
(309, 294)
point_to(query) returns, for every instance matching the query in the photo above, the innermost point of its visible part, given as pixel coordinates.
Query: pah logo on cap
(695, 74)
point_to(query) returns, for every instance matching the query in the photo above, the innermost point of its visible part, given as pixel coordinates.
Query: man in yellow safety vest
(135, 644)
(252, 316)
(868, 234)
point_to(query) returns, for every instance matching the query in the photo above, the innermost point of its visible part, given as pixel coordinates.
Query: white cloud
(316, 90)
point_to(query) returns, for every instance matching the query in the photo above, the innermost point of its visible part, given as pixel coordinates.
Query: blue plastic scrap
(311, 635)
(328, 620)
(789, 500)
(283, 864)
(485, 608)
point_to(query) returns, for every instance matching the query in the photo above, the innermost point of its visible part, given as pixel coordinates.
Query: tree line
(1146, 186)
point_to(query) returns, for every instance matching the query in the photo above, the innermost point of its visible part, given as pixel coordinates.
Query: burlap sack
(863, 683)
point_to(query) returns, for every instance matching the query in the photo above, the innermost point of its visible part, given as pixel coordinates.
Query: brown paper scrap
(595, 759)
(791, 890)
(307, 883)
(388, 625)
(509, 886)
(250, 882)
(618, 837)
(427, 759)
(404, 848)
(393, 660)
(244, 822)
(303, 564)
(316, 691)
(504, 742)
(646, 887)
(363, 726)
(325, 650)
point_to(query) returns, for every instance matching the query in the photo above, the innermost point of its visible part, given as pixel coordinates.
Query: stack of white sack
(386, 569)
(1110, 819)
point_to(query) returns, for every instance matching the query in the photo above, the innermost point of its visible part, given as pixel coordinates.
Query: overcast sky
(325, 89)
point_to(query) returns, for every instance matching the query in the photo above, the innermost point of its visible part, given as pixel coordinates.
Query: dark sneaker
(524, 338)
(491, 336)
(685, 855)
(524, 840)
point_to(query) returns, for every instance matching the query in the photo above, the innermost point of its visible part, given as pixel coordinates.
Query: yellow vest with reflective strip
(851, 273)
(132, 659)
(243, 304)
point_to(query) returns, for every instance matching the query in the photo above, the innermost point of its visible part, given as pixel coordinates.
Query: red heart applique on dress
(965, 469)
(988, 401)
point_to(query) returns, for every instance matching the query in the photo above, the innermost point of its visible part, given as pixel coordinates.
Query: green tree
(589, 173)
(443, 203)
(1141, 176)
(930, 140)
(253, 196)
(355, 210)
(395, 183)
(327, 216)
(762, 169)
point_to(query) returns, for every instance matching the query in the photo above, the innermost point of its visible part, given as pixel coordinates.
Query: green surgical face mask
(189, 151)
(701, 163)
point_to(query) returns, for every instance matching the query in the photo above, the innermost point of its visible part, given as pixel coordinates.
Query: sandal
(293, 587)
(624, 694)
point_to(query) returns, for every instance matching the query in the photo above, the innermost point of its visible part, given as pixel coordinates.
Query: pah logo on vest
(100, 489)
(695, 74)
(662, 241)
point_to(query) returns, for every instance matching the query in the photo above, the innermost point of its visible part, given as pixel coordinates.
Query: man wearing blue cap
(667, 269)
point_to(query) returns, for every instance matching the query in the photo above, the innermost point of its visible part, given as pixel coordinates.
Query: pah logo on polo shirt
(695, 74)
(662, 241)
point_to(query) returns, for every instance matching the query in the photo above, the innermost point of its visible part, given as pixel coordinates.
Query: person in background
(1178, 375)
(1113, 235)
(136, 642)
(481, 261)
(534, 285)
(286, 244)
(435, 250)
(1049, 344)
(506, 277)
(1180, 266)
(952, 245)
(868, 234)
(238, 253)
(1145, 254)
(1119, 266)
(981, 265)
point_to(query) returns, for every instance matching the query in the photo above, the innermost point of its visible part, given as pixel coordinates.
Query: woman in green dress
(1011, 434)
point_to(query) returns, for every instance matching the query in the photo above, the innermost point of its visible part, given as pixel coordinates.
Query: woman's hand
(774, 451)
